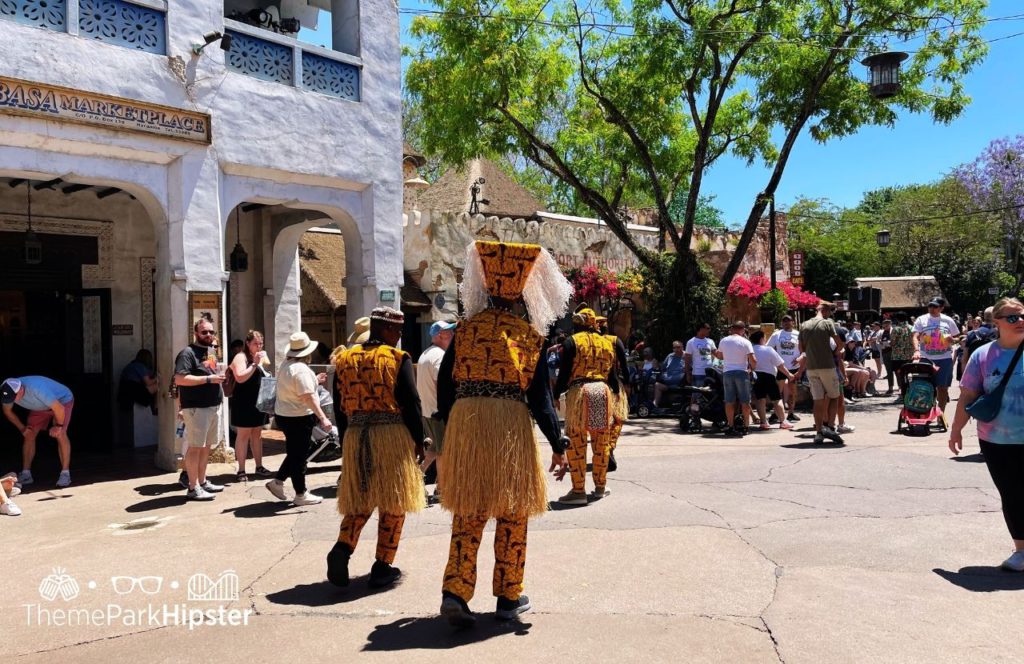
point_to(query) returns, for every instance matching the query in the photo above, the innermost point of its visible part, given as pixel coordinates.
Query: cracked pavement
(762, 549)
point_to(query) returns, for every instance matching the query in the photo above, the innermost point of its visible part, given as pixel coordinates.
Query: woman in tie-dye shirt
(1002, 439)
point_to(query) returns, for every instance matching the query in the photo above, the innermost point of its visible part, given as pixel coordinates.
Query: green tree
(839, 246)
(618, 114)
(933, 233)
(642, 111)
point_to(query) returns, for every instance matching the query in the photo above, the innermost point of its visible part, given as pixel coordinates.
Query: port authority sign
(53, 102)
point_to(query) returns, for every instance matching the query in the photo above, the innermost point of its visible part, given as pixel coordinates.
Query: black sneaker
(612, 466)
(830, 433)
(183, 479)
(382, 574)
(456, 611)
(793, 417)
(729, 432)
(509, 609)
(337, 564)
(773, 419)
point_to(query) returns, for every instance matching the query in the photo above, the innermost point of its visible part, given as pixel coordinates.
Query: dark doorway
(51, 326)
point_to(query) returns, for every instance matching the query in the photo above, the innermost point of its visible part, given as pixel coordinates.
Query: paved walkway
(761, 549)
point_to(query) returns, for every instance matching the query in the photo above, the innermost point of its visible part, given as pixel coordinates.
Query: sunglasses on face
(1012, 319)
(205, 333)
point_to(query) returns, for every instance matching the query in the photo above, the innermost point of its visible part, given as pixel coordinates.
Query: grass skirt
(576, 414)
(620, 405)
(395, 483)
(490, 461)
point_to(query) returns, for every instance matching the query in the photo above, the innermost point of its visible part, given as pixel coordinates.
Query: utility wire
(614, 27)
(914, 220)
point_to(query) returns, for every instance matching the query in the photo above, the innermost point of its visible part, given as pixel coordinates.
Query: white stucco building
(142, 157)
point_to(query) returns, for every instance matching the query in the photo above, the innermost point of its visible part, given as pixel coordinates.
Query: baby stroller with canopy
(324, 445)
(920, 414)
(706, 403)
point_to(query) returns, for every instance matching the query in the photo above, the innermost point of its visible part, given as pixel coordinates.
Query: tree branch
(618, 118)
(554, 164)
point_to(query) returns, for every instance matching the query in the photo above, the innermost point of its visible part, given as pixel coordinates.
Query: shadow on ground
(160, 503)
(983, 579)
(436, 634)
(260, 509)
(326, 594)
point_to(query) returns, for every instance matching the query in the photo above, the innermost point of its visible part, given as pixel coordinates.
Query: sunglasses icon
(149, 585)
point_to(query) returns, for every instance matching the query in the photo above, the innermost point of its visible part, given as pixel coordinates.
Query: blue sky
(915, 150)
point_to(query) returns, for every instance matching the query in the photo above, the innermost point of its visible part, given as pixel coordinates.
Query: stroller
(920, 414)
(706, 403)
(324, 445)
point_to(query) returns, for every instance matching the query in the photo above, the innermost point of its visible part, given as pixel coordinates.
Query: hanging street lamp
(883, 237)
(884, 69)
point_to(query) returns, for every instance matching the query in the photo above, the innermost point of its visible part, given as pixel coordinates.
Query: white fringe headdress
(512, 271)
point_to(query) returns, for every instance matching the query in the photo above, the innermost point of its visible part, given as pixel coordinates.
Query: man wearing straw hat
(382, 446)
(493, 378)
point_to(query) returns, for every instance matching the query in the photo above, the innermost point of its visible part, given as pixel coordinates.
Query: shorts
(824, 382)
(202, 426)
(944, 378)
(434, 429)
(673, 381)
(41, 420)
(698, 381)
(766, 386)
(737, 386)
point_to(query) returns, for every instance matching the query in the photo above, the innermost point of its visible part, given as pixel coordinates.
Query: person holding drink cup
(200, 397)
(248, 369)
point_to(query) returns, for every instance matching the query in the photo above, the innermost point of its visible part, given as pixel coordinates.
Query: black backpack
(979, 338)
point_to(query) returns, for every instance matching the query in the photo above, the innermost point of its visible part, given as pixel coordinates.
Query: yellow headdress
(585, 317)
(513, 271)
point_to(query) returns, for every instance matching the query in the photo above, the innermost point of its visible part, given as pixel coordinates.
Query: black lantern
(884, 69)
(239, 259)
(33, 246)
(882, 237)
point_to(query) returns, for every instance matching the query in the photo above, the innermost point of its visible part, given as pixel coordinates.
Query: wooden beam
(47, 185)
(72, 188)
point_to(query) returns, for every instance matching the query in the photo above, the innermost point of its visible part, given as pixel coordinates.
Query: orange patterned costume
(492, 378)
(588, 363)
(379, 467)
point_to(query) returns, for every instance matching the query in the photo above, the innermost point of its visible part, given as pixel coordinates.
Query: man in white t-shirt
(700, 351)
(737, 355)
(786, 342)
(935, 337)
(427, 367)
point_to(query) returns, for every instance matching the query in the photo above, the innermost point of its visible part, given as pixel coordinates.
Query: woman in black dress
(248, 371)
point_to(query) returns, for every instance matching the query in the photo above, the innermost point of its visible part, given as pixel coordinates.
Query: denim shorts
(944, 378)
(737, 386)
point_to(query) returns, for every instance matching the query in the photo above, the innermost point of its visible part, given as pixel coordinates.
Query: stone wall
(435, 247)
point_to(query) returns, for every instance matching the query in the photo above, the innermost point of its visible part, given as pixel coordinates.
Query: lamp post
(883, 237)
(771, 239)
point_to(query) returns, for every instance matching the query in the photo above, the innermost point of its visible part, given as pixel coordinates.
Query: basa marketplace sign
(53, 102)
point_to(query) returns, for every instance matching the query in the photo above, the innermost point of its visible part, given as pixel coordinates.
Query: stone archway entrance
(80, 308)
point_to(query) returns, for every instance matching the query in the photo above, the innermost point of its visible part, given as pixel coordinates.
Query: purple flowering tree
(995, 181)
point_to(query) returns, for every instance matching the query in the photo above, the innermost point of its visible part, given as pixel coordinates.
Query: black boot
(382, 574)
(612, 466)
(456, 611)
(509, 609)
(337, 564)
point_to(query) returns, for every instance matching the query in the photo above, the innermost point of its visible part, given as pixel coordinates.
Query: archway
(78, 305)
